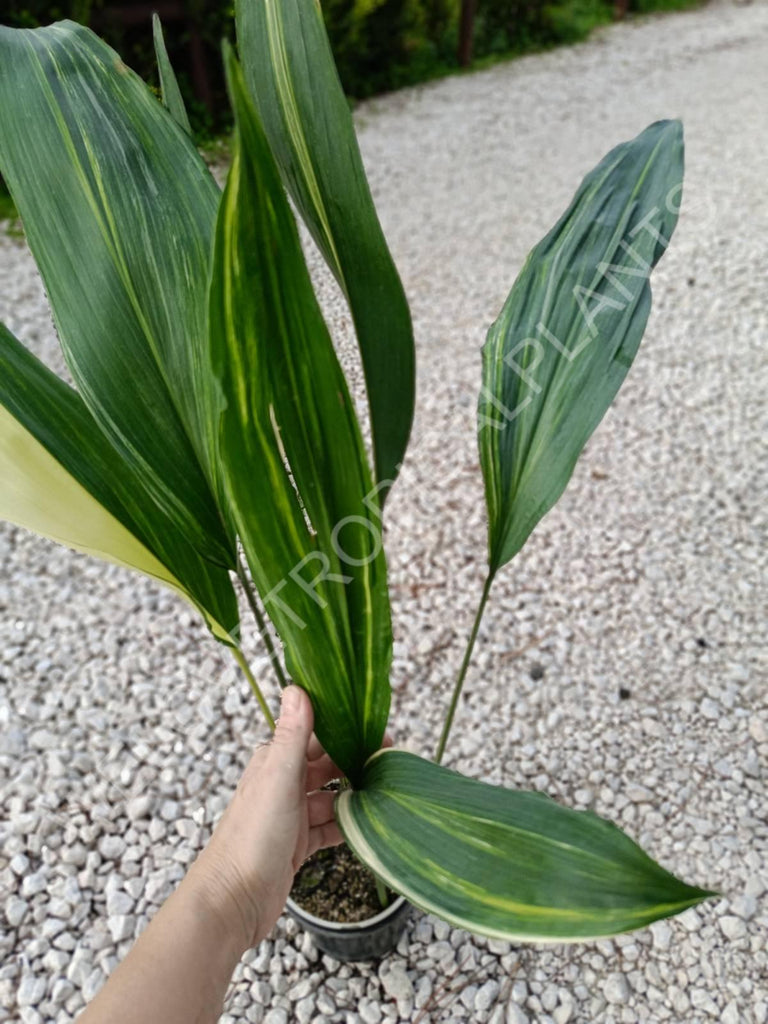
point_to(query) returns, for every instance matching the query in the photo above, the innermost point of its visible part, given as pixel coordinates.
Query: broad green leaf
(569, 331)
(169, 87)
(292, 77)
(62, 479)
(510, 865)
(294, 461)
(119, 211)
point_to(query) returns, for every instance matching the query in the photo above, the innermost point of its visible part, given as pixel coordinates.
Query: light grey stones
(15, 910)
(139, 807)
(397, 984)
(121, 926)
(732, 927)
(112, 847)
(616, 988)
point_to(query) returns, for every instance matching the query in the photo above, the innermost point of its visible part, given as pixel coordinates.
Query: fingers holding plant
(278, 816)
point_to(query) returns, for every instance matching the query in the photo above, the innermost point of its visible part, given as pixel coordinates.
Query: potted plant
(211, 415)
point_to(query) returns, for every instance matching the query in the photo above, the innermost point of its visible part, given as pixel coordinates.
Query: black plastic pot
(360, 940)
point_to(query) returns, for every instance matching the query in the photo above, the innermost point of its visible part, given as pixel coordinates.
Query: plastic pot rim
(345, 926)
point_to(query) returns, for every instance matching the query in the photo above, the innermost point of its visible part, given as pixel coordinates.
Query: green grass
(8, 209)
(10, 216)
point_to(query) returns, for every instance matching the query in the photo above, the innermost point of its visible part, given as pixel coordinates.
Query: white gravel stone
(35, 883)
(616, 988)
(744, 907)
(261, 992)
(276, 1016)
(486, 995)
(423, 991)
(31, 990)
(139, 807)
(520, 991)
(92, 984)
(731, 1013)
(121, 926)
(563, 1013)
(15, 911)
(732, 927)
(169, 810)
(516, 1014)
(397, 984)
(370, 1012)
(467, 996)
(112, 847)
(710, 709)
(662, 935)
(61, 991)
(19, 864)
(549, 998)
(305, 1009)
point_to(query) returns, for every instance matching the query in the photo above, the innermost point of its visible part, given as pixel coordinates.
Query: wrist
(231, 912)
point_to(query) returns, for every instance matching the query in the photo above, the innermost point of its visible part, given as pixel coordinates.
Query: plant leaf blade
(314, 549)
(499, 862)
(293, 81)
(119, 210)
(62, 479)
(570, 329)
(169, 86)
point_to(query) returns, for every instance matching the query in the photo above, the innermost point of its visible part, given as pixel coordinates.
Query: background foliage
(378, 44)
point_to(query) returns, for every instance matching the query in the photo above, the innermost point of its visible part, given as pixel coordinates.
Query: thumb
(292, 732)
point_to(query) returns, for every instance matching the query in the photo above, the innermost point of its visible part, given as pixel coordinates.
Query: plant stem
(240, 659)
(381, 891)
(463, 670)
(261, 623)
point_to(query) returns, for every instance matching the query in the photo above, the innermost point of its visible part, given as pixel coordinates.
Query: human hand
(276, 819)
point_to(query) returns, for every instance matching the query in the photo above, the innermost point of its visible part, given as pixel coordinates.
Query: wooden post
(466, 32)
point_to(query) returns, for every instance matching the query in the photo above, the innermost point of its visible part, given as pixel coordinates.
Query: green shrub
(517, 26)
(379, 45)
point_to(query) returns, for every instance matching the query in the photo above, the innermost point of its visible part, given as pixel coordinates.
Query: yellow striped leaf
(293, 81)
(294, 463)
(63, 480)
(119, 211)
(498, 862)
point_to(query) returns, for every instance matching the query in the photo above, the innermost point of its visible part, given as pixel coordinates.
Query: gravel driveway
(622, 661)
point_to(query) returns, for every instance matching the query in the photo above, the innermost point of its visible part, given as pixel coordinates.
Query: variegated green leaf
(62, 479)
(290, 71)
(293, 458)
(169, 87)
(570, 329)
(119, 211)
(510, 865)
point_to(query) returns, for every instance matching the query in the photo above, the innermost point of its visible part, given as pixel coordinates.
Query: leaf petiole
(463, 670)
(240, 659)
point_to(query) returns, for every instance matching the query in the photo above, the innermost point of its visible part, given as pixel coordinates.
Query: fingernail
(290, 700)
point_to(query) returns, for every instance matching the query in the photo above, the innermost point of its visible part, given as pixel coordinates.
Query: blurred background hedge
(379, 44)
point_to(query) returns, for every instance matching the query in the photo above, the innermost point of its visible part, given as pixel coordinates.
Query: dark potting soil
(333, 885)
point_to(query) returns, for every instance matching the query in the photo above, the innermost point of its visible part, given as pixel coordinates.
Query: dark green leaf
(570, 329)
(62, 478)
(169, 87)
(290, 71)
(506, 864)
(294, 461)
(119, 212)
